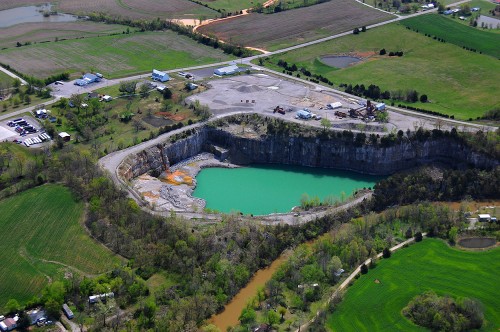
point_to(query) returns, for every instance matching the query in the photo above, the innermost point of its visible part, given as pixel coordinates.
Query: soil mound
(248, 88)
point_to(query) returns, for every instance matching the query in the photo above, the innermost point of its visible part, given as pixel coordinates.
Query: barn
(159, 76)
(65, 136)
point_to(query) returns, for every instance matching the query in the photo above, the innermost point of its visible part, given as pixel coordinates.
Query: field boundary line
(347, 281)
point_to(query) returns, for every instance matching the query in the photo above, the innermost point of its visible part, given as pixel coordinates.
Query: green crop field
(428, 265)
(231, 5)
(457, 82)
(43, 238)
(113, 56)
(456, 33)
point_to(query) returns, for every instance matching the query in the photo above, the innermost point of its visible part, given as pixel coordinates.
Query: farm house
(229, 70)
(159, 76)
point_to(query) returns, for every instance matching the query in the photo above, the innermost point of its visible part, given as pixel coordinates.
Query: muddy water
(477, 242)
(29, 14)
(229, 317)
(339, 61)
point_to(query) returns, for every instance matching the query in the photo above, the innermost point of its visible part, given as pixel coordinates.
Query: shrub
(418, 236)
(386, 253)
(364, 269)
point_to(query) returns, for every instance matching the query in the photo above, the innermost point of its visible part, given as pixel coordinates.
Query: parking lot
(24, 130)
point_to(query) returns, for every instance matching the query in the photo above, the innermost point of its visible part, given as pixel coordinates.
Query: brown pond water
(477, 242)
(232, 311)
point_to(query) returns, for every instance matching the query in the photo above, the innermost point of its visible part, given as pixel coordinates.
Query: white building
(229, 70)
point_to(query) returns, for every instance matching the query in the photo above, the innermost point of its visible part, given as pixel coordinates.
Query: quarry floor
(261, 93)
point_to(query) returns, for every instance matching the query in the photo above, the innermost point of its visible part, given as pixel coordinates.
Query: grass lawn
(428, 265)
(113, 56)
(43, 235)
(457, 82)
(456, 33)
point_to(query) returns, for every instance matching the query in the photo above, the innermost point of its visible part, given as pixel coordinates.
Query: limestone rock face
(314, 152)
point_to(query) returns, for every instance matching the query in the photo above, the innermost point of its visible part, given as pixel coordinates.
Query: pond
(477, 242)
(339, 61)
(265, 189)
(30, 14)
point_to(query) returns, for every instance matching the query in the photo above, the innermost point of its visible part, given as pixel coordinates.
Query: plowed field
(275, 31)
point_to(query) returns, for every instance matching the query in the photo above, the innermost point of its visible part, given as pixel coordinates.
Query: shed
(192, 86)
(65, 136)
(161, 88)
(91, 95)
(335, 105)
(67, 311)
(229, 70)
(159, 76)
(380, 106)
(107, 98)
(484, 218)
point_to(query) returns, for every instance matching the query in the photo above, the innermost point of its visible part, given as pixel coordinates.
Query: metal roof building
(159, 76)
(229, 70)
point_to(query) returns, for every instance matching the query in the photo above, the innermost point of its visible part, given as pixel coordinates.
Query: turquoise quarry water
(265, 189)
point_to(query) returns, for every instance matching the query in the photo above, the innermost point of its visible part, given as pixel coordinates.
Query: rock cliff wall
(314, 152)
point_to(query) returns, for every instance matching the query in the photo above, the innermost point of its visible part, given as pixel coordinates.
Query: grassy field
(272, 32)
(135, 9)
(429, 265)
(48, 31)
(43, 235)
(456, 33)
(113, 56)
(5, 79)
(457, 82)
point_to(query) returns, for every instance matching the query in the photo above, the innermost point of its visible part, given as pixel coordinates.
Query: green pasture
(428, 265)
(43, 238)
(457, 82)
(113, 56)
(455, 33)
(485, 6)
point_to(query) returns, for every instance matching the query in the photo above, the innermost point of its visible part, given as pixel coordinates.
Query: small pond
(30, 14)
(339, 61)
(477, 242)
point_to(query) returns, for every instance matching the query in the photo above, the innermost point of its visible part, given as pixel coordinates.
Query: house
(159, 76)
(333, 106)
(229, 70)
(90, 78)
(67, 311)
(65, 136)
(41, 114)
(107, 98)
(484, 218)
(8, 324)
(380, 107)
